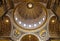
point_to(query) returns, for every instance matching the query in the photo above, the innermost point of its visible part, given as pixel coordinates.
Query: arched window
(5, 26)
(54, 27)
